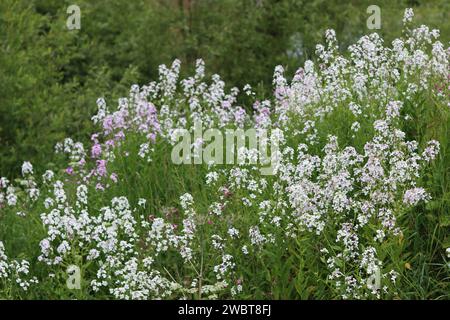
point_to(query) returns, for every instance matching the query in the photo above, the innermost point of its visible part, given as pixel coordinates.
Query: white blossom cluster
(17, 271)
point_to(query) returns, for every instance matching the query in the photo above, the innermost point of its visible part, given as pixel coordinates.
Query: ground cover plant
(357, 206)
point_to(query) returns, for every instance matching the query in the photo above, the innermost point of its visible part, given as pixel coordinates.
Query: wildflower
(27, 168)
(96, 150)
(48, 176)
(233, 232)
(211, 177)
(101, 168)
(431, 151)
(142, 202)
(414, 195)
(113, 177)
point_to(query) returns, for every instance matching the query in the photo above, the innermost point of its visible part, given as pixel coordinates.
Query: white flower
(142, 202)
(211, 177)
(414, 196)
(27, 168)
(408, 15)
(233, 232)
(48, 176)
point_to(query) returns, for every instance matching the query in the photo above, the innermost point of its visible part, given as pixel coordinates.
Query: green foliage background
(50, 77)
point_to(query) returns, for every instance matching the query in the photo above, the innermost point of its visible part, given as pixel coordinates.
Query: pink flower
(227, 193)
(119, 135)
(69, 170)
(113, 177)
(110, 143)
(108, 124)
(152, 136)
(96, 150)
(101, 168)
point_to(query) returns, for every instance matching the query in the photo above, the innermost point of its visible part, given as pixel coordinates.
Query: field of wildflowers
(357, 206)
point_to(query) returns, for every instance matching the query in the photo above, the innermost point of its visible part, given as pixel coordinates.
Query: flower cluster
(334, 203)
(15, 271)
